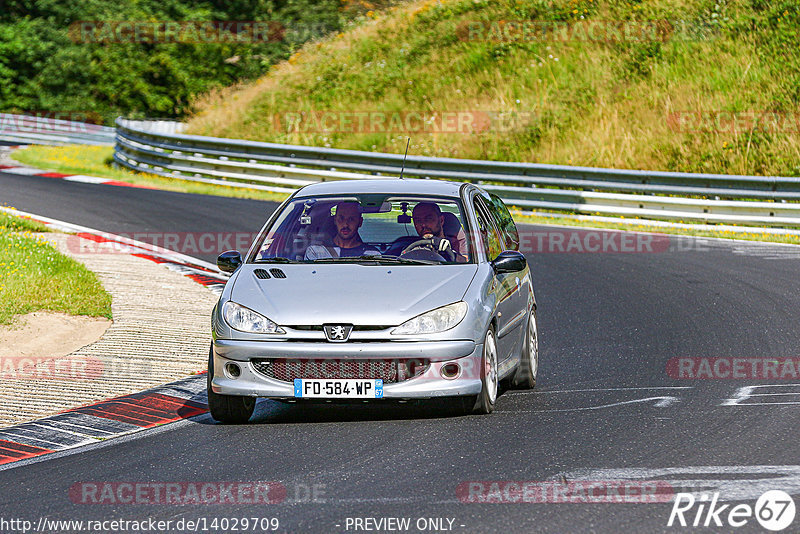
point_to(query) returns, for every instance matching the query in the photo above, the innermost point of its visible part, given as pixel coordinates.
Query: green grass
(96, 161)
(34, 276)
(9, 223)
(571, 102)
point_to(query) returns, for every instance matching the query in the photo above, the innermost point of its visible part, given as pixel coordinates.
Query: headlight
(246, 320)
(434, 321)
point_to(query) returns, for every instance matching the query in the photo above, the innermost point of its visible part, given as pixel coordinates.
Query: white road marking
(740, 485)
(663, 402)
(23, 170)
(86, 179)
(593, 390)
(767, 251)
(744, 393)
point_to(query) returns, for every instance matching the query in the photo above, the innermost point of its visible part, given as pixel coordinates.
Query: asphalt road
(605, 409)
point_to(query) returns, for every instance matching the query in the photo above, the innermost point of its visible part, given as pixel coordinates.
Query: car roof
(384, 185)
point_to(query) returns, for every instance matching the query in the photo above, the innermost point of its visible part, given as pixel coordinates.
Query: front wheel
(484, 403)
(227, 408)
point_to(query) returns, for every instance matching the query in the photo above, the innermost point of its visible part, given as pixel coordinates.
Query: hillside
(148, 58)
(708, 87)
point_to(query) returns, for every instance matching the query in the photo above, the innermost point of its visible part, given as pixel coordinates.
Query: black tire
(232, 409)
(525, 376)
(483, 403)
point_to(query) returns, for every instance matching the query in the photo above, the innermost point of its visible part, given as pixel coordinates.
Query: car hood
(350, 294)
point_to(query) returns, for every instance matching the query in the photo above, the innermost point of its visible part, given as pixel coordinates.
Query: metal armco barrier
(158, 147)
(26, 130)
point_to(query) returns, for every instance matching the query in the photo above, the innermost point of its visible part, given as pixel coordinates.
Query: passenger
(347, 242)
(429, 223)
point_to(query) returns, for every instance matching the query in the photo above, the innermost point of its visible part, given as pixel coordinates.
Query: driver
(347, 242)
(429, 223)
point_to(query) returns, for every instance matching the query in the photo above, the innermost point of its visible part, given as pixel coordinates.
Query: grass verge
(35, 276)
(96, 161)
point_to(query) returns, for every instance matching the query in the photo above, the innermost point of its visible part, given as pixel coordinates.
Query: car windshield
(368, 229)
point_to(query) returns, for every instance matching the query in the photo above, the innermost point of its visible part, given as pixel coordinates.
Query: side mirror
(509, 261)
(229, 261)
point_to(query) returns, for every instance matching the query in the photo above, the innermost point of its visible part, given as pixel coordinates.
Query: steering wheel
(427, 245)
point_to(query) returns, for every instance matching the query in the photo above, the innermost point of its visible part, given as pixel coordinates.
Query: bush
(42, 69)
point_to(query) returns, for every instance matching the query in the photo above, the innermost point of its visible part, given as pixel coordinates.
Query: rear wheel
(227, 408)
(525, 377)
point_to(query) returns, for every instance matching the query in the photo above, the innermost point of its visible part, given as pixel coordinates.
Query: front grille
(390, 370)
(356, 328)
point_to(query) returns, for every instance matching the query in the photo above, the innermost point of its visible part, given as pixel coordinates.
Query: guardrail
(24, 129)
(160, 148)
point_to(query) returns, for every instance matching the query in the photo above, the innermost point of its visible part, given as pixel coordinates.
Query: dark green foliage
(44, 67)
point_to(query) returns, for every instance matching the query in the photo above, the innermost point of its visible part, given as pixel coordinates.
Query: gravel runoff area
(160, 333)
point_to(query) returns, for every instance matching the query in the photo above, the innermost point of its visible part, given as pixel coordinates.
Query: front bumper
(431, 384)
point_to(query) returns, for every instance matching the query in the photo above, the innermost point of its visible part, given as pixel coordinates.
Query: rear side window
(489, 239)
(504, 222)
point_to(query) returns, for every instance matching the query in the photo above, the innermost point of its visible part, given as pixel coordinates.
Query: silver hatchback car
(376, 290)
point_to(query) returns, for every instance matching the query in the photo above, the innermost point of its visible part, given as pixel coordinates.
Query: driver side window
(489, 238)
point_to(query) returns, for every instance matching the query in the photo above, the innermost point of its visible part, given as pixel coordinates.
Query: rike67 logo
(774, 511)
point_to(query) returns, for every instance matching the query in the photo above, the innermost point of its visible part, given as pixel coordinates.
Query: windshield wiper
(398, 259)
(276, 260)
(376, 257)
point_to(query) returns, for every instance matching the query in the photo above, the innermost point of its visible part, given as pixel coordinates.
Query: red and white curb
(121, 415)
(198, 270)
(30, 171)
(97, 422)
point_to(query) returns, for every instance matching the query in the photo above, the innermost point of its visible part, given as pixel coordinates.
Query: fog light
(450, 370)
(233, 370)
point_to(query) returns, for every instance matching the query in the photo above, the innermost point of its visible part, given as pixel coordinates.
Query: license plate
(338, 389)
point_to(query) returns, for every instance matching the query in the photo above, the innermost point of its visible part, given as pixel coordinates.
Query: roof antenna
(404, 159)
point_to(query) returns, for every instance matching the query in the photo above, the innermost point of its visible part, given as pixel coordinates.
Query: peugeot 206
(376, 290)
